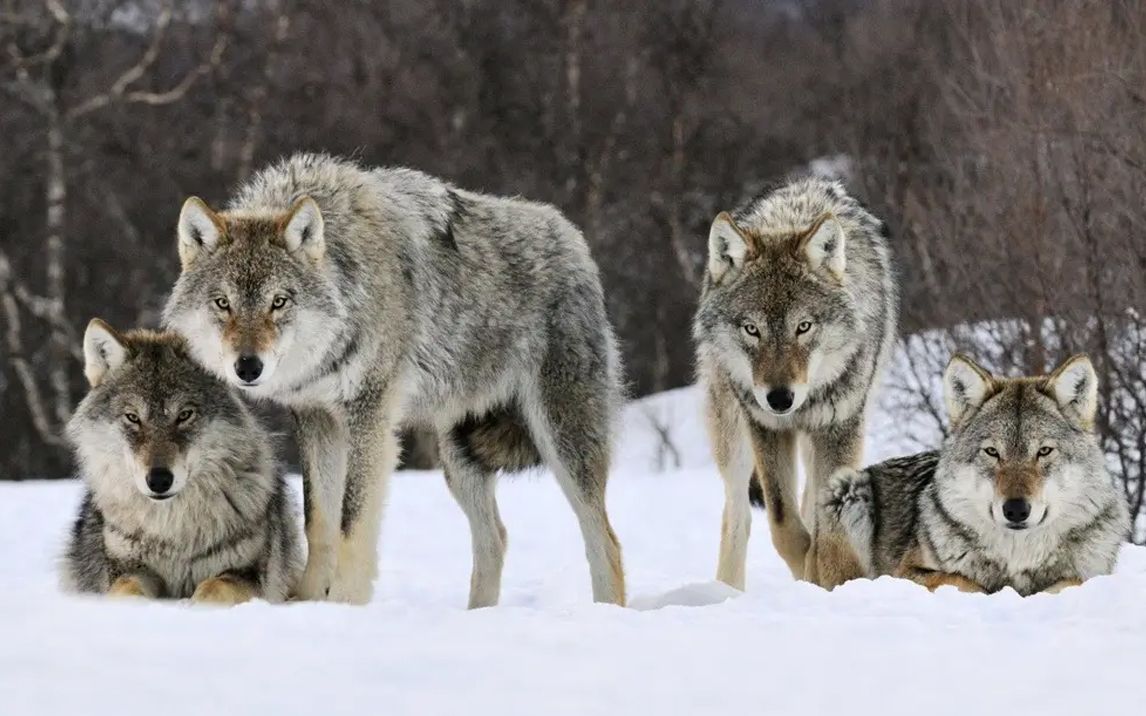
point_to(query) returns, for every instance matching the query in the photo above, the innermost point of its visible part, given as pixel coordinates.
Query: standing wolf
(1019, 495)
(365, 300)
(796, 319)
(182, 497)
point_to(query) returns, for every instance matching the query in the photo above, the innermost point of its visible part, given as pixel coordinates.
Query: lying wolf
(182, 498)
(1018, 497)
(370, 299)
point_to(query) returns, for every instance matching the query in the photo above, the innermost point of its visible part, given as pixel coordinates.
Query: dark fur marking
(772, 488)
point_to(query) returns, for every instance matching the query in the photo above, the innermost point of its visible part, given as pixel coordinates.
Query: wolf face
(1022, 454)
(781, 322)
(253, 299)
(153, 420)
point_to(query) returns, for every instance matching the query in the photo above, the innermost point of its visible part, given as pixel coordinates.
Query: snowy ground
(689, 646)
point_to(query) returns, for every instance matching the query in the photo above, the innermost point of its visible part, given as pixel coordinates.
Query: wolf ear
(823, 245)
(728, 247)
(104, 350)
(303, 229)
(965, 387)
(200, 229)
(1074, 387)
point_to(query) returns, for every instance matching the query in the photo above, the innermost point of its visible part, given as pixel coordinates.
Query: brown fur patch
(786, 366)
(1062, 584)
(128, 586)
(255, 335)
(911, 567)
(832, 561)
(1018, 480)
(224, 590)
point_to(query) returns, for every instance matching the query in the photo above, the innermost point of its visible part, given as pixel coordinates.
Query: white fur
(727, 247)
(825, 248)
(102, 352)
(1076, 389)
(197, 229)
(305, 229)
(965, 387)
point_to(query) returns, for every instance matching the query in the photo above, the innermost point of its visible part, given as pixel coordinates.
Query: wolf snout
(159, 481)
(1016, 510)
(248, 368)
(780, 399)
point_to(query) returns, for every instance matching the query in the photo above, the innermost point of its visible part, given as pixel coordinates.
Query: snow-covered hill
(688, 645)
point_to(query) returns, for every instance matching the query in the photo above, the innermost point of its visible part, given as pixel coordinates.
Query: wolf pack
(366, 301)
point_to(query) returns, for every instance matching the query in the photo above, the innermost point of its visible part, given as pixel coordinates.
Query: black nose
(780, 399)
(1016, 510)
(248, 368)
(159, 480)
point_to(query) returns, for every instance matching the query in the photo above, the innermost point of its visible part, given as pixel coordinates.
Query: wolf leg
(569, 420)
(225, 590)
(135, 585)
(323, 447)
(775, 454)
(733, 454)
(844, 530)
(826, 451)
(1061, 585)
(373, 457)
(475, 491)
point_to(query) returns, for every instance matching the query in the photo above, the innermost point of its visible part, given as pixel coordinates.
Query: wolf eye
(803, 327)
(1045, 450)
(131, 418)
(992, 452)
(223, 304)
(751, 329)
(184, 415)
(278, 303)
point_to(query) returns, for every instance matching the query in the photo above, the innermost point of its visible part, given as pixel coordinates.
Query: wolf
(1018, 496)
(796, 319)
(366, 300)
(182, 498)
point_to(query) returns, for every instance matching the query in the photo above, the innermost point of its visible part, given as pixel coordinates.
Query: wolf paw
(129, 587)
(222, 591)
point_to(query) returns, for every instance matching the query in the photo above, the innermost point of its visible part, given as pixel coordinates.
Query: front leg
(731, 449)
(136, 584)
(372, 458)
(775, 454)
(225, 590)
(1063, 584)
(323, 447)
(828, 450)
(914, 566)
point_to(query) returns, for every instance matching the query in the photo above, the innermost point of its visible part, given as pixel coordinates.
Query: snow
(687, 645)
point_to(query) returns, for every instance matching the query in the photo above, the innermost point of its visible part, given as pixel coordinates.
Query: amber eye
(223, 304)
(131, 418)
(803, 327)
(1045, 450)
(751, 329)
(184, 415)
(992, 452)
(278, 303)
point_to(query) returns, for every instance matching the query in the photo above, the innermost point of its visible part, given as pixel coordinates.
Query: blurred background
(1004, 141)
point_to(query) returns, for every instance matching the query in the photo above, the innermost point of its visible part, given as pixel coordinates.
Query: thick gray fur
(477, 316)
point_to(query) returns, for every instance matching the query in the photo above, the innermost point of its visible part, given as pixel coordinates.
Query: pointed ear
(1074, 387)
(728, 247)
(200, 229)
(966, 385)
(104, 350)
(303, 229)
(823, 245)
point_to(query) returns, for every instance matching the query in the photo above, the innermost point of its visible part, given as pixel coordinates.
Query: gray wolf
(366, 300)
(1018, 496)
(182, 496)
(796, 320)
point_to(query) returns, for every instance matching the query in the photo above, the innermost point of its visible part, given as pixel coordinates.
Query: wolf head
(153, 421)
(775, 311)
(253, 299)
(1022, 451)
